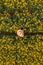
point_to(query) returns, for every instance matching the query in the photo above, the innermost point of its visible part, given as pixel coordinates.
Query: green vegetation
(15, 14)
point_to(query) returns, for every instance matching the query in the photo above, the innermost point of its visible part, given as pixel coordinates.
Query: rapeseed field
(27, 50)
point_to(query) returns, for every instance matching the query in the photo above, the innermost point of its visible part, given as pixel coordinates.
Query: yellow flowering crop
(27, 50)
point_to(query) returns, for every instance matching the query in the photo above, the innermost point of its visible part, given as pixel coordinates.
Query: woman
(20, 32)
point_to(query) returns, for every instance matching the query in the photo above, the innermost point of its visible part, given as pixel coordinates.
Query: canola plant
(27, 50)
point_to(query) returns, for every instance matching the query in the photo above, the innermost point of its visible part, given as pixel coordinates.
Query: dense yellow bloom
(23, 0)
(15, 50)
(14, 0)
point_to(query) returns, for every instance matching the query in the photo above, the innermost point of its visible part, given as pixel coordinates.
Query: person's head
(22, 28)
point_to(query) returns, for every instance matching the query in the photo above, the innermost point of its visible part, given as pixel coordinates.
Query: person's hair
(22, 28)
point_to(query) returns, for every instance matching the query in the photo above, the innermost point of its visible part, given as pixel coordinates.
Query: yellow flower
(14, 0)
(3, 23)
(24, 4)
(7, 0)
(5, 3)
(32, 37)
(3, 40)
(10, 5)
(18, 46)
(42, 42)
(27, 23)
(7, 30)
(2, 18)
(23, 0)
(32, 64)
(1, 63)
(36, 0)
(19, 3)
(7, 63)
(31, 30)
